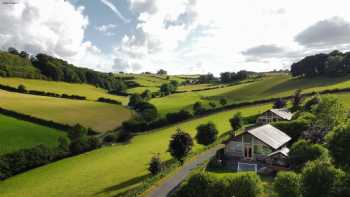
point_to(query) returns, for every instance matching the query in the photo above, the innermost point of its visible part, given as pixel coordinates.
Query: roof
(270, 135)
(284, 151)
(283, 113)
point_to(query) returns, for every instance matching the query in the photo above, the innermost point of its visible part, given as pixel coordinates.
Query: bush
(287, 184)
(155, 165)
(236, 121)
(110, 138)
(293, 128)
(280, 103)
(243, 184)
(319, 179)
(22, 88)
(302, 151)
(206, 134)
(178, 116)
(198, 108)
(338, 142)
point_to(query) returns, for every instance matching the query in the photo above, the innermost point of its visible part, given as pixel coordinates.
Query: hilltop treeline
(333, 64)
(42, 66)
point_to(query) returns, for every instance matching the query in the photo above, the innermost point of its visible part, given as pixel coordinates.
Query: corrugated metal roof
(270, 135)
(283, 113)
(284, 151)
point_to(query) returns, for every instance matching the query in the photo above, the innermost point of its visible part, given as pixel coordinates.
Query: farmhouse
(273, 115)
(263, 146)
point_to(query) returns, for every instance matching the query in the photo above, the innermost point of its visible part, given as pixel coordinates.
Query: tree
(223, 101)
(338, 142)
(329, 112)
(303, 151)
(135, 101)
(146, 95)
(162, 72)
(63, 144)
(22, 88)
(319, 179)
(206, 133)
(198, 108)
(312, 102)
(155, 165)
(212, 105)
(296, 100)
(180, 145)
(167, 88)
(236, 121)
(13, 51)
(147, 111)
(280, 103)
(77, 132)
(287, 184)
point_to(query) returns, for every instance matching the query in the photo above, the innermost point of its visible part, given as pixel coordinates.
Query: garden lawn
(109, 170)
(89, 91)
(17, 134)
(99, 116)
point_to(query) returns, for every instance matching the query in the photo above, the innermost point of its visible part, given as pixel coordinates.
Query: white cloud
(105, 28)
(114, 9)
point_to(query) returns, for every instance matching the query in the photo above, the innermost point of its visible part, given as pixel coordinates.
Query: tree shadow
(123, 185)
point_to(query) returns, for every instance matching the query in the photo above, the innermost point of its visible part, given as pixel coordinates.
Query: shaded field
(16, 134)
(99, 116)
(89, 91)
(109, 170)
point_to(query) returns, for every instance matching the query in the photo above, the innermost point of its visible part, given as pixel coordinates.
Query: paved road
(171, 183)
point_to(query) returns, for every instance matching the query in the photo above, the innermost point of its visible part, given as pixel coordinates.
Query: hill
(99, 116)
(109, 170)
(271, 86)
(16, 134)
(89, 91)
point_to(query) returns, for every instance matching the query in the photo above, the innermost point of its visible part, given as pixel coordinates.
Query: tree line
(29, 158)
(42, 66)
(332, 64)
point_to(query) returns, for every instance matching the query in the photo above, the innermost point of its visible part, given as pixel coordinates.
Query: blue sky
(181, 36)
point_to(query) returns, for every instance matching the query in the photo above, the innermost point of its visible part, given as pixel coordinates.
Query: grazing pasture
(17, 134)
(110, 170)
(99, 116)
(89, 91)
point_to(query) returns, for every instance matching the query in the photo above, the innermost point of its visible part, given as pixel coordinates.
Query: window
(247, 138)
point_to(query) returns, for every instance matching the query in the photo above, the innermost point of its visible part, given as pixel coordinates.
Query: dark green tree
(223, 101)
(287, 184)
(155, 165)
(206, 133)
(338, 142)
(180, 145)
(236, 121)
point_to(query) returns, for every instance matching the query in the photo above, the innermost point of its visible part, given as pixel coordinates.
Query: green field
(16, 134)
(109, 170)
(268, 87)
(91, 92)
(99, 116)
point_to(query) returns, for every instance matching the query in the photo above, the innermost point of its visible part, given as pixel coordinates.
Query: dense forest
(42, 66)
(335, 63)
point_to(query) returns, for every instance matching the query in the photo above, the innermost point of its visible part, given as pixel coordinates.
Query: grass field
(91, 92)
(99, 116)
(16, 134)
(110, 170)
(268, 87)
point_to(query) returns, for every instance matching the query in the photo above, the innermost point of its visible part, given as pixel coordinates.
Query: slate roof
(270, 135)
(283, 113)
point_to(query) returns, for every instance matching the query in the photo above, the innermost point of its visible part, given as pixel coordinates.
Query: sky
(180, 36)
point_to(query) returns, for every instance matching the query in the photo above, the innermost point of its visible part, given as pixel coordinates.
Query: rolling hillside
(89, 91)
(99, 116)
(110, 170)
(268, 87)
(16, 134)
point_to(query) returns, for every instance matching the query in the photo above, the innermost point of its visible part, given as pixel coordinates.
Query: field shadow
(305, 83)
(123, 185)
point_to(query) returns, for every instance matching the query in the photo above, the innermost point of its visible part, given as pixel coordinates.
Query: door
(248, 152)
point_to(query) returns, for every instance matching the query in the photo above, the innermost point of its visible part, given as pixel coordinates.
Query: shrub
(319, 179)
(155, 165)
(293, 128)
(287, 184)
(206, 133)
(280, 103)
(180, 145)
(302, 151)
(110, 138)
(338, 142)
(198, 108)
(178, 116)
(236, 121)
(312, 102)
(22, 88)
(223, 101)
(243, 184)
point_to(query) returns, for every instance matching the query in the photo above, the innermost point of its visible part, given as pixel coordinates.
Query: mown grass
(109, 170)
(16, 134)
(99, 116)
(91, 92)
